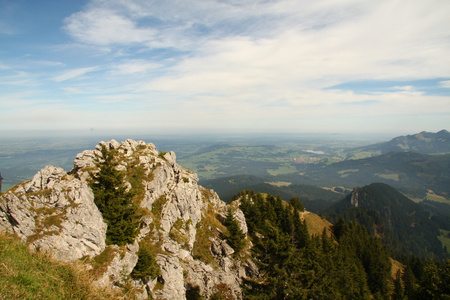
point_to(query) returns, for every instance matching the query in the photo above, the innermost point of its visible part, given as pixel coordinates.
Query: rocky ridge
(56, 212)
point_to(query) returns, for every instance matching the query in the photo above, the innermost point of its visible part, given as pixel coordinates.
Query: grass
(345, 173)
(286, 169)
(28, 275)
(392, 176)
(396, 266)
(208, 227)
(279, 183)
(437, 198)
(316, 224)
(363, 154)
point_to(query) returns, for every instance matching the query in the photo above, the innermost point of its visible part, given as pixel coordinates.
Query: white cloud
(260, 63)
(445, 84)
(133, 67)
(404, 88)
(104, 27)
(71, 74)
(73, 90)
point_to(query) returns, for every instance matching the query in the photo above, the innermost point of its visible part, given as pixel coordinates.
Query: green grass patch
(391, 176)
(363, 154)
(41, 193)
(279, 183)
(316, 224)
(208, 227)
(345, 173)
(286, 169)
(437, 198)
(28, 275)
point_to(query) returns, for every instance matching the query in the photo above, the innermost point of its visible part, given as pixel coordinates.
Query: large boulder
(55, 212)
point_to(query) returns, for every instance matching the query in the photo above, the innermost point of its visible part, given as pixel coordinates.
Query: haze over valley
(222, 149)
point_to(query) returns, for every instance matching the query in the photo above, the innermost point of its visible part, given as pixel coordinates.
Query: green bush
(114, 202)
(146, 267)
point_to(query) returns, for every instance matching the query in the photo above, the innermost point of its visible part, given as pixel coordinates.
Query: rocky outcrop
(55, 211)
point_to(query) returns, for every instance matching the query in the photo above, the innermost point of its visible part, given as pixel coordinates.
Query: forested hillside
(344, 262)
(402, 224)
(314, 197)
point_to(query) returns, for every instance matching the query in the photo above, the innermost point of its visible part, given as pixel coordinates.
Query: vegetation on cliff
(114, 201)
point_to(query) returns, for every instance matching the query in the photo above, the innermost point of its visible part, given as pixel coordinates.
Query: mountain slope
(401, 223)
(423, 142)
(412, 173)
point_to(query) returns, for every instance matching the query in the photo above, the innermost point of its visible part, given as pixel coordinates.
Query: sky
(224, 66)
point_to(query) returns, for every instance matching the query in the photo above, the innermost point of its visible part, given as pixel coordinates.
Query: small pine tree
(146, 266)
(114, 202)
(297, 204)
(236, 238)
(301, 234)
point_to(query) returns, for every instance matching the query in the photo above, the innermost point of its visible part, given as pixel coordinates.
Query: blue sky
(224, 66)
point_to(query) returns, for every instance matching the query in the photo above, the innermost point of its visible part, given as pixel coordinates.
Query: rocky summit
(182, 222)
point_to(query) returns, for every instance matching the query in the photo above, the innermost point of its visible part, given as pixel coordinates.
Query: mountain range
(140, 224)
(423, 142)
(413, 173)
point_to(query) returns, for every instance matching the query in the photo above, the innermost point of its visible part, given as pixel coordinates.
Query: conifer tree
(113, 201)
(146, 266)
(301, 234)
(236, 238)
(399, 291)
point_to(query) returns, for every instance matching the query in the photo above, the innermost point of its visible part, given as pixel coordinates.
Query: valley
(331, 219)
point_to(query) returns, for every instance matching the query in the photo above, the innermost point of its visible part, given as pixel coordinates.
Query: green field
(437, 198)
(390, 176)
(286, 169)
(345, 173)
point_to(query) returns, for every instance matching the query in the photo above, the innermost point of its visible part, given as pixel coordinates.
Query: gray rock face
(55, 211)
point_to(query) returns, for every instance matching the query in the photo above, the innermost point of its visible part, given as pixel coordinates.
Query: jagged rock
(120, 267)
(172, 277)
(15, 217)
(55, 211)
(44, 179)
(221, 248)
(208, 278)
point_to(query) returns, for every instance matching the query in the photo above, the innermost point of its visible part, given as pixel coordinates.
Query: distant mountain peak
(423, 142)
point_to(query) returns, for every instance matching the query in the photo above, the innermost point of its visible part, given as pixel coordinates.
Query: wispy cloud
(251, 63)
(445, 84)
(72, 74)
(133, 66)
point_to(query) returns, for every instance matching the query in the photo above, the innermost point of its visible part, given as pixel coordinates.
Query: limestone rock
(171, 277)
(55, 211)
(15, 217)
(119, 268)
